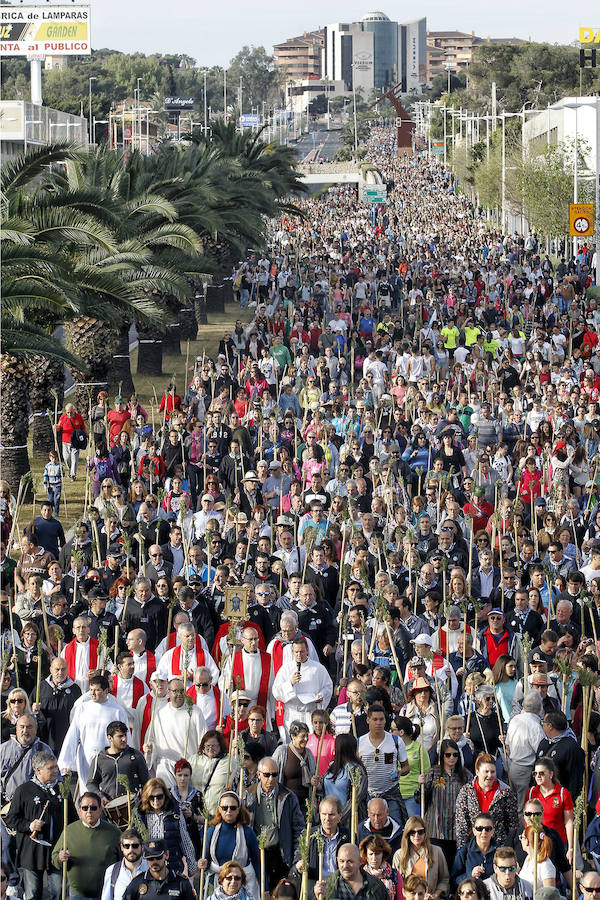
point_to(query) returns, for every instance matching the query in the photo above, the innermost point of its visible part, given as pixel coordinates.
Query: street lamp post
(97, 122)
(138, 117)
(205, 107)
(90, 79)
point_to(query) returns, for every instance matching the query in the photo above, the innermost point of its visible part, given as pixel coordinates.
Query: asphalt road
(324, 143)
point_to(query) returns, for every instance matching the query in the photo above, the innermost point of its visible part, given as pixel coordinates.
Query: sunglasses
(153, 797)
(510, 869)
(451, 755)
(268, 774)
(590, 890)
(229, 808)
(232, 878)
(483, 828)
(131, 846)
(203, 684)
(87, 807)
(532, 812)
(416, 831)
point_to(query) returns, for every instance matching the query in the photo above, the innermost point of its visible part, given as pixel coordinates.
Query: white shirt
(86, 736)
(123, 881)
(383, 774)
(523, 737)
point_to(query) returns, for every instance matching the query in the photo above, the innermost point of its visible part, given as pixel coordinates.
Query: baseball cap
(422, 640)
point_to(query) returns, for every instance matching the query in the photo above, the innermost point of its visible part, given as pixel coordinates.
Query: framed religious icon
(236, 601)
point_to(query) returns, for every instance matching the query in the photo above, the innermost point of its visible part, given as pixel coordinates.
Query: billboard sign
(45, 30)
(249, 120)
(175, 103)
(375, 193)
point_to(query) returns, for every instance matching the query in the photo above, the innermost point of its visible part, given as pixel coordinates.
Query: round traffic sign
(581, 224)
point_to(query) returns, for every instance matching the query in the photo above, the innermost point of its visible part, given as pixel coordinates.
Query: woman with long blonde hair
(418, 856)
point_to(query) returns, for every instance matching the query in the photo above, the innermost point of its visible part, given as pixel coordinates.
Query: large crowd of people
(327, 625)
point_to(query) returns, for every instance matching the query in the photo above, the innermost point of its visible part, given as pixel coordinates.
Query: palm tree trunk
(46, 379)
(14, 420)
(93, 342)
(150, 355)
(172, 339)
(189, 326)
(119, 374)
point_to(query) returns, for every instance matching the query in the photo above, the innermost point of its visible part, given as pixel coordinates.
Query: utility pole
(90, 79)
(205, 107)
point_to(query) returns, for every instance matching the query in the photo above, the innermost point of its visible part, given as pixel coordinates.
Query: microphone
(298, 667)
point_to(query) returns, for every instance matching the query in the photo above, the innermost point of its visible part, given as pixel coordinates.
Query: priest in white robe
(190, 653)
(301, 686)
(86, 736)
(127, 687)
(156, 699)
(280, 647)
(178, 729)
(208, 698)
(249, 669)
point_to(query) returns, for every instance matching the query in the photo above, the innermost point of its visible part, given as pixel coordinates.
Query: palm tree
(153, 250)
(61, 262)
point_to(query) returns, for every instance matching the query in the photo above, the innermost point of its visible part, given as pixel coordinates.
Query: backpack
(103, 469)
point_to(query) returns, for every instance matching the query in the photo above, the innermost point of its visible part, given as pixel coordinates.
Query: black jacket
(152, 617)
(204, 618)
(105, 768)
(146, 887)
(569, 758)
(56, 705)
(27, 804)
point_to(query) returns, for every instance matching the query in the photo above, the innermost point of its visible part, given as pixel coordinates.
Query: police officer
(159, 880)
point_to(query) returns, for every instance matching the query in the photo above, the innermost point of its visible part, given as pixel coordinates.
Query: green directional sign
(374, 193)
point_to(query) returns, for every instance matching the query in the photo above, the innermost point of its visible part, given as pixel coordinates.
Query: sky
(213, 32)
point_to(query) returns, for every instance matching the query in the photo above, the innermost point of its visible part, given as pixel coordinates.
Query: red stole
(237, 672)
(176, 661)
(223, 631)
(150, 666)
(138, 689)
(70, 654)
(193, 693)
(444, 638)
(147, 715)
(277, 654)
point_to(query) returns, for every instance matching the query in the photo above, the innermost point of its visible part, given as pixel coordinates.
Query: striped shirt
(441, 809)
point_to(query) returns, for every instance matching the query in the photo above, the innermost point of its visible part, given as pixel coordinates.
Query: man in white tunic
(127, 687)
(190, 653)
(178, 729)
(208, 698)
(156, 699)
(86, 736)
(250, 670)
(280, 647)
(301, 686)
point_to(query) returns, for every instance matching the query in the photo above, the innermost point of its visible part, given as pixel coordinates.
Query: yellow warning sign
(581, 219)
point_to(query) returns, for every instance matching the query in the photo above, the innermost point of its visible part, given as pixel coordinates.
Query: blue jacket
(470, 856)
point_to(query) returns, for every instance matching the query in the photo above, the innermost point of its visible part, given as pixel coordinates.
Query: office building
(376, 53)
(300, 57)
